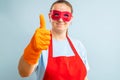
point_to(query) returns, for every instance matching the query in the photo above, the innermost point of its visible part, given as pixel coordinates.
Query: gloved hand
(40, 41)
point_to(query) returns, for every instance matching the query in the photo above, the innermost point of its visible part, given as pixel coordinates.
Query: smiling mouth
(60, 24)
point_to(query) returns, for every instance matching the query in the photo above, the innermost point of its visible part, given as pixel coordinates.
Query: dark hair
(62, 1)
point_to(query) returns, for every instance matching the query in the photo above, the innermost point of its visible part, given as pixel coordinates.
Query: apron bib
(64, 67)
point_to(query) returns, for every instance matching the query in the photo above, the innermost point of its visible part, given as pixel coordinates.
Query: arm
(40, 41)
(24, 68)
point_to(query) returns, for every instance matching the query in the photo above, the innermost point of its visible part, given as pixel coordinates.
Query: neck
(58, 35)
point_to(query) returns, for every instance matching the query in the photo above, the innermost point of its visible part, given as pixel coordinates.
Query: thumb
(42, 21)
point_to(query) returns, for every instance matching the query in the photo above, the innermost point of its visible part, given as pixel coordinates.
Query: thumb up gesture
(42, 36)
(40, 41)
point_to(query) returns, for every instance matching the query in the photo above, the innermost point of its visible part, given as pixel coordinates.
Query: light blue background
(96, 23)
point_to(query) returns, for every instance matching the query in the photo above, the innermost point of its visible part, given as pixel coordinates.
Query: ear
(71, 19)
(49, 15)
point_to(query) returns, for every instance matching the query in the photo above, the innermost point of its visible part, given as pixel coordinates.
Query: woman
(52, 54)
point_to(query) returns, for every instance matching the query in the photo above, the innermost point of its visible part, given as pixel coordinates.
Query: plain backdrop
(96, 24)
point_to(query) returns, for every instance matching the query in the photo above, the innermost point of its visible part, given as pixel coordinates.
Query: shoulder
(77, 43)
(80, 48)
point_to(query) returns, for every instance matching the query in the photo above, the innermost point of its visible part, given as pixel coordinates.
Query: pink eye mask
(65, 15)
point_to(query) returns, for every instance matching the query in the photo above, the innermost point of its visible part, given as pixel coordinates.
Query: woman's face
(60, 23)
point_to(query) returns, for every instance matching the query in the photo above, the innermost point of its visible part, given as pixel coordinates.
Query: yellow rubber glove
(40, 41)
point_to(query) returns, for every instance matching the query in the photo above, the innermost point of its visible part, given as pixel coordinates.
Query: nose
(60, 19)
